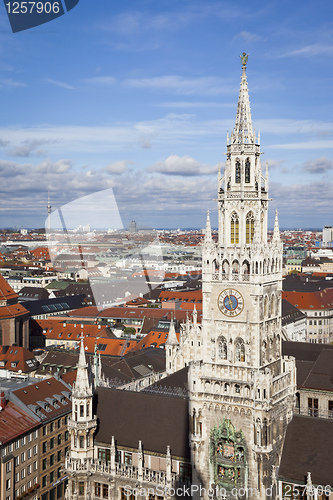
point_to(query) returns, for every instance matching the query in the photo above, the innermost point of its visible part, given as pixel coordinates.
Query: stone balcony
(119, 471)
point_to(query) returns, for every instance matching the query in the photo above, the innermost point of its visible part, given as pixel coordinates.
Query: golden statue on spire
(244, 57)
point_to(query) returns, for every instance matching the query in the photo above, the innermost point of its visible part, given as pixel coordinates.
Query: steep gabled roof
(15, 422)
(308, 447)
(6, 291)
(133, 416)
(17, 359)
(12, 311)
(35, 397)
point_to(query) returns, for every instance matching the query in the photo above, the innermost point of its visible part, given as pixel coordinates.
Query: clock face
(230, 302)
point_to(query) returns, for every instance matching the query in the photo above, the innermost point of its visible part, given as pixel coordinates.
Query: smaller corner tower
(82, 423)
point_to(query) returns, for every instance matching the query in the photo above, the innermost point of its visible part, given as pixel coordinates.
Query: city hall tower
(241, 388)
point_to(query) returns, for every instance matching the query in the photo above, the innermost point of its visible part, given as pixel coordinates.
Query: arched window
(81, 441)
(247, 170)
(249, 227)
(266, 307)
(240, 350)
(234, 228)
(223, 350)
(237, 172)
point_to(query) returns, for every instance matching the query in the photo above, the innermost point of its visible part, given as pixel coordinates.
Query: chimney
(3, 400)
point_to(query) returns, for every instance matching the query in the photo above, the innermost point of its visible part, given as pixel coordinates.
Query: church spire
(243, 132)
(82, 387)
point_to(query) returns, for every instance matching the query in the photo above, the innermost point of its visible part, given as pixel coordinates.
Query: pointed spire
(172, 337)
(168, 464)
(208, 231)
(243, 131)
(82, 387)
(194, 315)
(113, 454)
(276, 232)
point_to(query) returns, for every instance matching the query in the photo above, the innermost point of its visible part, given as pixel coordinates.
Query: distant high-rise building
(48, 211)
(328, 236)
(132, 226)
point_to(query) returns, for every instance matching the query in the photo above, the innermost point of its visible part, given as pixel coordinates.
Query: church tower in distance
(241, 388)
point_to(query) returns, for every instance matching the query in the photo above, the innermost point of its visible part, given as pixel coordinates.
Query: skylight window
(101, 347)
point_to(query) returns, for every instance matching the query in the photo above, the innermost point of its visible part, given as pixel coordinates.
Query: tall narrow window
(249, 227)
(223, 348)
(234, 228)
(240, 350)
(247, 170)
(237, 172)
(313, 407)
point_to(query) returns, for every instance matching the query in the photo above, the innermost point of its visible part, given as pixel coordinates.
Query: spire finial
(276, 232)
(244, 57)
(82, 384)
(208, 232)
(243, 131)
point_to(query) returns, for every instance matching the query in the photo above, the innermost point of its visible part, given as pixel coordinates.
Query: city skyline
(140, 99)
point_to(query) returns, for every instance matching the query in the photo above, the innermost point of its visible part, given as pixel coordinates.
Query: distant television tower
(48, 211)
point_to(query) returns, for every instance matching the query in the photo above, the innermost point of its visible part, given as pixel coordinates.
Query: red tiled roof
(15, 422)
(12, 311)
(61, 330)
(155, 338)
(85, 312)
(41, 252)
(322, 299)
(192, 295)
(23, 359)
(6, 291)
(69, 377)
(109, 347)
(42, 394)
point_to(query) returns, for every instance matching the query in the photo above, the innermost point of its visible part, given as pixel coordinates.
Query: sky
(137, 97)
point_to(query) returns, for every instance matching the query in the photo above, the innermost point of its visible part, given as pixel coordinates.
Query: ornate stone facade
(237, 377)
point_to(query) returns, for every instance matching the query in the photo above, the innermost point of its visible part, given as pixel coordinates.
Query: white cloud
(182, 166)
(311, 50)
(60, 84)
(303, 145)
(303, 199)
(209, 85)
(101, 80)
(249, 37)
(318, 166)
(10, 83)
(195, 104)
(29, 147)
(118, 167)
